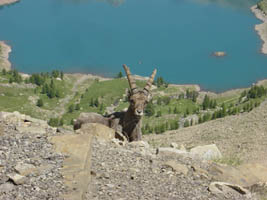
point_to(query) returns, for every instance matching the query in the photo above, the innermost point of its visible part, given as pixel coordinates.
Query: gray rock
(139, 144)
(25, 169)
(207, 152)
(168, 150)
(118, 142)
(176, 167)
(227, 190)
(6, 187)
(100, 131)
(17, 179)
(174, 145)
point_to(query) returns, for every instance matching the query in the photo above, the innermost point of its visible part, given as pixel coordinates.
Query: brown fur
(129, 123)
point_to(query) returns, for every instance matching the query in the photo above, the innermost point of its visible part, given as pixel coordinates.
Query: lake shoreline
(4, 56)
(261, 28)
(197, 87)
(7, 2)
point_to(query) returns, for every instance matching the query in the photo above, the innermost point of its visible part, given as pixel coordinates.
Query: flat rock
(76, 167)
(169, 150)
(31, 130)
(207, 152)
(138, 144)
(101, 132)
(176, 167)
(174, 145)
(17, 179)
(25, 169)
(227, 190)
(245, 175)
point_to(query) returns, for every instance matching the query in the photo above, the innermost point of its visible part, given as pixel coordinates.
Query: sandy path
(63, 102)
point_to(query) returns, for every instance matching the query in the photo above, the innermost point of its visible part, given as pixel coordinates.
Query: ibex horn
(130, 79)
(150, 81)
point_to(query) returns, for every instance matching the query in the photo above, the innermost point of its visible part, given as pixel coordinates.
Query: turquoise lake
(175, 36)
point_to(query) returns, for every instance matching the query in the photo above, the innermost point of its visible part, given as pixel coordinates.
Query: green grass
(107, 92)
(232, 160)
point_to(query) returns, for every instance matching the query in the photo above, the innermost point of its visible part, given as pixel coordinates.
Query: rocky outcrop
(29, 166)
(92, 164)
(7, 2)
(4, 50)
(26, 124)
(76, 167)
(207, 152)
(99, 131)
(137, 171)
(261, 29)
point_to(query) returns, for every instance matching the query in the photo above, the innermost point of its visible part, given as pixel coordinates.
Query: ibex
(129, 123)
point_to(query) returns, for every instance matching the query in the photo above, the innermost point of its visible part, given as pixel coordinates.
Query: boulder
(207, 152)
(77, 165)
(138, 144)
(17, 179)
(227, 190)
(176, 167)
(245, 175)
(168, 151)
(25, 169)
(174, 145)
(99, 131)
(26, 124)
(91, 117)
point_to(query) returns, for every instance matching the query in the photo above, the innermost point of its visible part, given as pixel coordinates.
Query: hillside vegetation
(262, 5)
(59, 98)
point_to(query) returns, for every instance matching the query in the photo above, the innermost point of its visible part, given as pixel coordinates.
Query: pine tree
(61, 122)
(40, 103)
(149, 111)
(61, 75)
(119, 75)
(159, 114)
(206, 102)
(96, 102)
(77, 107)
(71, 108)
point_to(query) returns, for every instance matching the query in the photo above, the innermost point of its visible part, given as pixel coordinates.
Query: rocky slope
(241, 137)
(40, 162)
(29, 167)
(137, 172)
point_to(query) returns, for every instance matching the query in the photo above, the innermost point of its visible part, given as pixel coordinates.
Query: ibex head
(139, 98)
